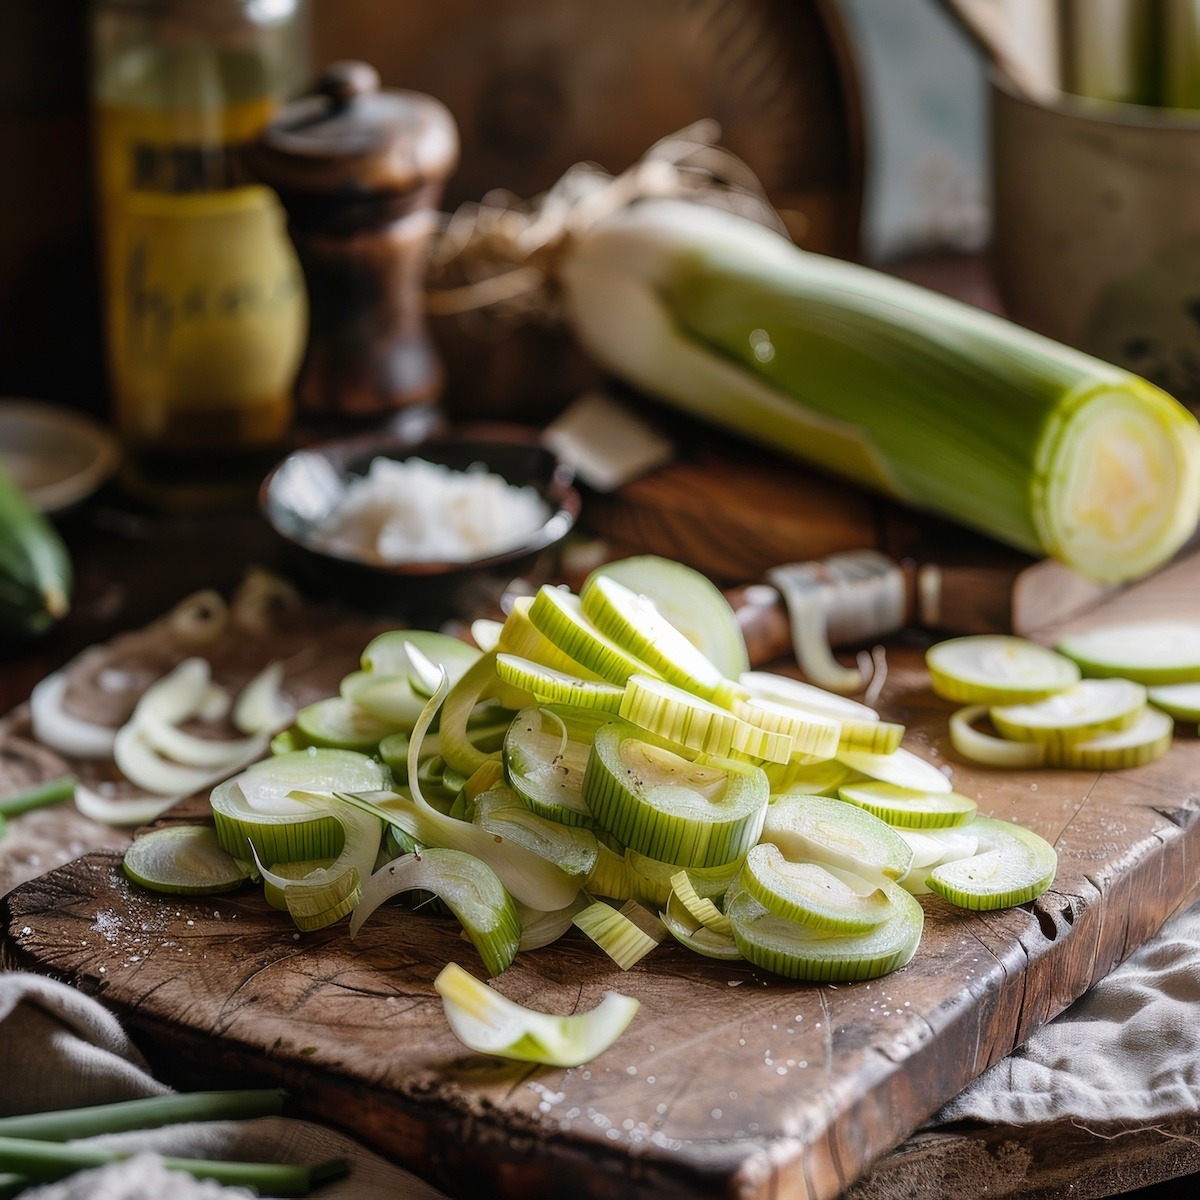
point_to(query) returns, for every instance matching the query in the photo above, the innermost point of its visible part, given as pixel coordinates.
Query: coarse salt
(418, 511)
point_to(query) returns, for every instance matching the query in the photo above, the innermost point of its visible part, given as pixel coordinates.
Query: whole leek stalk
(926, 399)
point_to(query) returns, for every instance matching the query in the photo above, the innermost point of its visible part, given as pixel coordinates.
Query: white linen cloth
(1127, 1050)
(61, 1049)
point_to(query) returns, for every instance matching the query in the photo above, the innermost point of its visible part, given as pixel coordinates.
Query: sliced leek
(1144, 741)
(678, 716)
(980, 747)
(700, 908)
(539, 929)
(932, 847)
(805, 779)
(615, 934)
(1057, 453)
(634, 622)
(995, 669)
(813, 737)
(557, 687)
(457, 746)
(671, 809)
(545, 754)
(1011, 865)
(326, 894)
(687, 931)
(861, 728)
(831, 832)
(1090, 708)
(558, 615)
(388, 654)
(291, 871)
(812, 895)
(501, 811)
(342, 724)
(489, 1023)
(689, 601)
(901, 767)
(905, 808)
(818, 956)
(527, 876)
(520, 637)
(184, 860)
(1146, 652)
(468, 887)
(1179, 700)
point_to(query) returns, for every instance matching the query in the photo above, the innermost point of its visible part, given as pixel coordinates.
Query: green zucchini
(35, 571)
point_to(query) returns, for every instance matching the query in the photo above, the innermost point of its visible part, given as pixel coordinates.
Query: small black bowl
(303, 489)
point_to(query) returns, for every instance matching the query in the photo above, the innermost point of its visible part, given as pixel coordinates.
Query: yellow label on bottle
(207, 314)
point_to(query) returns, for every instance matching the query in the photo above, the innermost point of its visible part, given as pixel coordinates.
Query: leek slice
(501, 811)
(557, 687)
(813, 736)
(258, 806)
(981, 747)
(1147, 739)
(546, 753)
(486, 634)
(1179, 700)
(260, 707)
(689, 601)
(456, 745)
(812, 895)
(803, 779)
(678, 716)
(619, 937)
(861, 728)
(687, 931)
(520, 637)
(668, 808)
(190, 750)
(341, 724)
(1011, 865)
(653, 878)
(142, 765)
(292, 871)
(468, 887)
(288, 741)
(526, 875)
(901, 767)
(799, 952)
(539, 929)
(558, 615)
(327, 894)
(634, 623)
(53, 726)
(266, 785)
(1090, 708)
(1146, 652)
(931, 848)
(913, 810)
(184, 860)
(489, 1023)
(995, 669)
(699, 908)
(831, 832)
(387, 662)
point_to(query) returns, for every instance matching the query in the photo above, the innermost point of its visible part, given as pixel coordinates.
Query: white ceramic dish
(57, 456)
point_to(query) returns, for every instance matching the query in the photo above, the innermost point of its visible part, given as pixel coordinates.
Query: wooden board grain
(728, 1083)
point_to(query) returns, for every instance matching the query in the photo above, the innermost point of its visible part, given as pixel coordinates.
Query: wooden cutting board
(728, 1083)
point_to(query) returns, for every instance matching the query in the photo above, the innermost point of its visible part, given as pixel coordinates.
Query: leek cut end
(1120, 492)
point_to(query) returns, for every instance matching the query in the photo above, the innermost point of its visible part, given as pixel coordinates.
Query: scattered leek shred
(625, 942)
(489, 1023)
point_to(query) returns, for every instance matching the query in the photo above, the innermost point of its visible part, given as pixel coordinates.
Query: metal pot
(1097, 230)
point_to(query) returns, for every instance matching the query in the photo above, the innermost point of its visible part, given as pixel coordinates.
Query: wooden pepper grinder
(360, 172)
